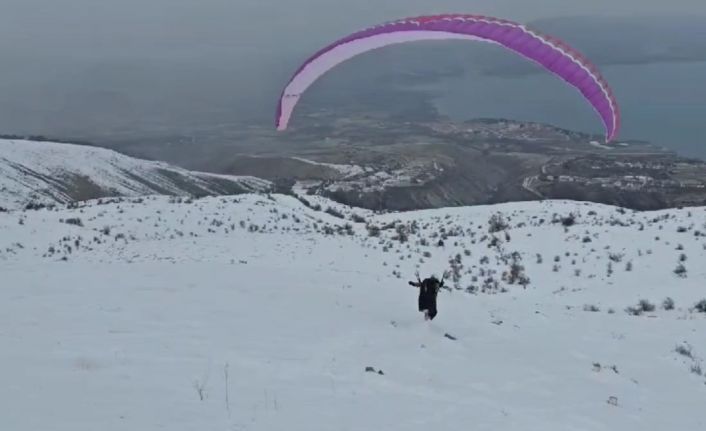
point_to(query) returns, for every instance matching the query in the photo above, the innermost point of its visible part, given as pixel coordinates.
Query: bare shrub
(569, 220)
(644, 306)
(616, 257)
(497, 223)
(373, 230)
(74, 221)
(334, 212)
(684, 350)
(700, 306)
(358, 219)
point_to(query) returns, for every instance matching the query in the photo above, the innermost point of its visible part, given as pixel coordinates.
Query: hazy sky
(128, 27)
(89, 65)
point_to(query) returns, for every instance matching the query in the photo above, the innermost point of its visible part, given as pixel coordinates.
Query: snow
(368, 179)
(35, 171)
(273, 323)
(345, 170)
(599, 145)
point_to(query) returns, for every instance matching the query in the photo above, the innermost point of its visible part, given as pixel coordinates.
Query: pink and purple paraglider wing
(552, 54)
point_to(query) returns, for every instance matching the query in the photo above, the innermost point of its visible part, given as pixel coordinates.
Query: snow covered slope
(47, 172)
(257, 313)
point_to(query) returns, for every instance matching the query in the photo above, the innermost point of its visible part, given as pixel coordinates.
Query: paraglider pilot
(428, 289)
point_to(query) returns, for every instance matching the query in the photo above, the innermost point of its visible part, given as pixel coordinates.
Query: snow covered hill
(48, 172)
(259, 312)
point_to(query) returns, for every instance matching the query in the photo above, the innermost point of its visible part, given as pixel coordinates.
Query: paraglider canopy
(552, 54)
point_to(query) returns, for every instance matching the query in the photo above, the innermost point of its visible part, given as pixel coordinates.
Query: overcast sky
(132, 27)
(93, 64)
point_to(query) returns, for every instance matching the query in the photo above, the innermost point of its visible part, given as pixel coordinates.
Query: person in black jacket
(428, 289)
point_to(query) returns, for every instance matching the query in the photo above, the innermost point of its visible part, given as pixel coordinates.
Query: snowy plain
(256, 312)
